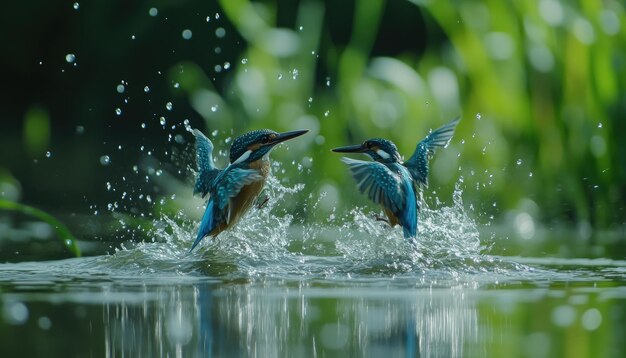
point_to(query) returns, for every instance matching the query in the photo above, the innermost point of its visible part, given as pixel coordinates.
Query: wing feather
(418, 163)
(204, 163)
(378, 182)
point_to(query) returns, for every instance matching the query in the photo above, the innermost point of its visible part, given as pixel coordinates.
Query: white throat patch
(243, 157)
(383, 154)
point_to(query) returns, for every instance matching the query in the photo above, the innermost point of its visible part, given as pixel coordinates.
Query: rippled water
(277, 287)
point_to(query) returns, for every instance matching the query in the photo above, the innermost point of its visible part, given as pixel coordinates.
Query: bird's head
(257, 144)
(380, 150)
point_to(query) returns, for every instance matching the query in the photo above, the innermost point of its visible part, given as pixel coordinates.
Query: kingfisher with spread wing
(392, 183)
(231, 191)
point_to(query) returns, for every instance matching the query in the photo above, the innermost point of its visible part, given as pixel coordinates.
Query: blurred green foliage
(62, 232)
(540, 86)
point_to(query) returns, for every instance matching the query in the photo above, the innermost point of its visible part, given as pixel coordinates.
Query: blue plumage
(232, 191)
(391, 183)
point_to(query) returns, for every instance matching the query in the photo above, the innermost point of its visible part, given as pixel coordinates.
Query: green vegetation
(63, 233)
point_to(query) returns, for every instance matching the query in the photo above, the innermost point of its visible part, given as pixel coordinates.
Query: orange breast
(393, 220)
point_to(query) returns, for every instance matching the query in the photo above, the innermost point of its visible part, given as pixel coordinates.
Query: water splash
(273, 242)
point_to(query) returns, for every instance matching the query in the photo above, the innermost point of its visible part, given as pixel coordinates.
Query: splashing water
(271, 242)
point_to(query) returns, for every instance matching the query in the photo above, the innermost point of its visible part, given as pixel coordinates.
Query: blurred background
(99, 97)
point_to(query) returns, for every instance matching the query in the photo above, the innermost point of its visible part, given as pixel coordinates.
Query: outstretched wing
(418, 163)
(379, 183)
(204, 162)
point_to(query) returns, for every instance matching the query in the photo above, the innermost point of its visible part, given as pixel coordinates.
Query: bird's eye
(368, 145)
(266, 139)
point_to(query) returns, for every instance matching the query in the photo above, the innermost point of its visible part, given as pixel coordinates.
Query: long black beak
(281, 137)
(357, 148)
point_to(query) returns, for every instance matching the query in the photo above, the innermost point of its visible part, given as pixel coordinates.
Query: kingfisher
(392, 182)
(231, 191)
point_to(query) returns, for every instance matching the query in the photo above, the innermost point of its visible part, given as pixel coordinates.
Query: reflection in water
(298, 319)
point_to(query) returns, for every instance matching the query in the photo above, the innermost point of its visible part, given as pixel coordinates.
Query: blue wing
(227, 184)
(379, 183)
(418, 163)
(230, 181)
(391, 189)
(204, 162)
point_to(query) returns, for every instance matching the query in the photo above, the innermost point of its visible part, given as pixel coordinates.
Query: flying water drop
(105, 160)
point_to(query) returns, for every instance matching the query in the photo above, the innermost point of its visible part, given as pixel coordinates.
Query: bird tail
(409, 217)
(206, 225)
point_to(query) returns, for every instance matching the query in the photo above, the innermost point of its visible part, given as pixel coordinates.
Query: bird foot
(263, 203)
(380, 218)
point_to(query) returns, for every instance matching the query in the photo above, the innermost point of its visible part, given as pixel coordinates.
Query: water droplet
(173, 196)
(105, 160)
(15, 313)
(244, 61)
(310, 99)
(187, 34)
(519, 161)
(169, 106)
(153, 11)
(599, 125)
(80, 129)
(132, 37)
(294, 73)
(208, 18)
(226, 65)
(70, 58)
(530, 174)
(118, 111)
(478, 116)
(76, 6)
(280, 76)
(214, 133)
(146, 89)
(135, 169)
(176, 85)
(301, 28)
(143, 125)
(220, 32)
(159, 172)
(218, 68)
(108, 186)
(217, 15)
(214, 108)
(327, 81)
(162, 121)
(48, 154)
(326, 113)
(120, 88)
